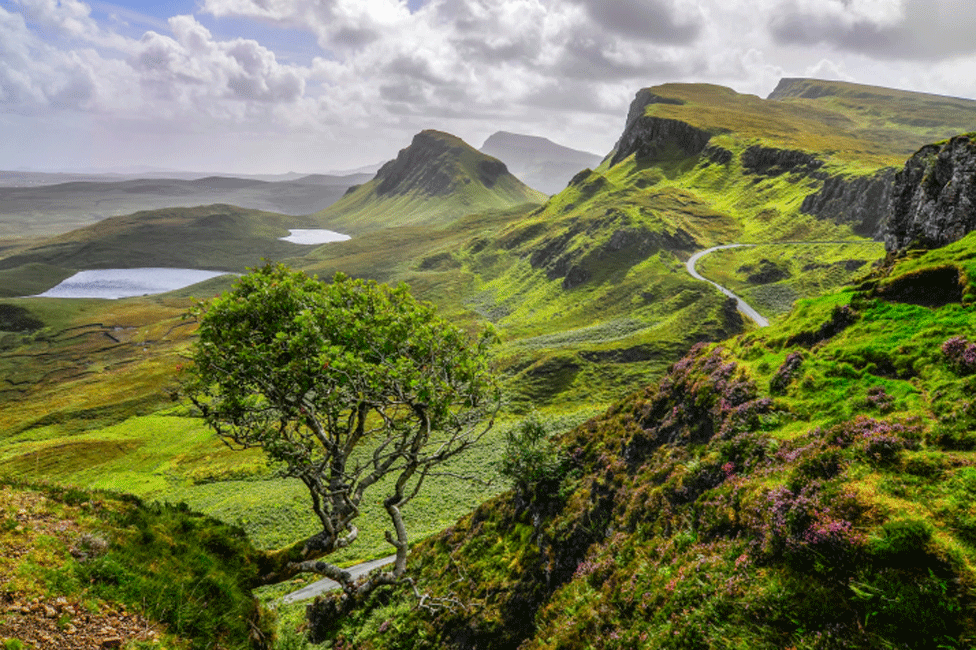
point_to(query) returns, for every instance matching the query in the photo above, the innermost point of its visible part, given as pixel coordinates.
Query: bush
(531, 462)
(960, 354)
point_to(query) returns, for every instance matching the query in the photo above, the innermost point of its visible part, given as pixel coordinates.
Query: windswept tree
(348, 386)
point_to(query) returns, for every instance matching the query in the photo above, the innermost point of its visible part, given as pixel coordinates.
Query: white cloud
(384, 69)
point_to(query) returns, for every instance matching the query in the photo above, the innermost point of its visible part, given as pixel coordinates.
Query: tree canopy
(341, 385)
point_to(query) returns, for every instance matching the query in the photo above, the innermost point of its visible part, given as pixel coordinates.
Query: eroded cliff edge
(933, 200)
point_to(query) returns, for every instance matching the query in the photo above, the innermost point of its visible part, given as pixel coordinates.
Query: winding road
(324, 585)
(742, 305)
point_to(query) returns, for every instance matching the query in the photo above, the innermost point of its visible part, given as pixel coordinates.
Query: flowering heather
(879, 399)
(797, 522)
(960, 354)
(786, 373)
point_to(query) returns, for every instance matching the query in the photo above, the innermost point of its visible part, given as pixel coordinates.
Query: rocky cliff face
(933, 200)
(861, 201)
(766, 161)
(650, 137)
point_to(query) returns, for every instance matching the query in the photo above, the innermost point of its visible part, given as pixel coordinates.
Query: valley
(733, 327)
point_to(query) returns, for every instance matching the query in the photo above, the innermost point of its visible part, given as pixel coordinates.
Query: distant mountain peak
(434, 163)
(538, 161)
(437, 179)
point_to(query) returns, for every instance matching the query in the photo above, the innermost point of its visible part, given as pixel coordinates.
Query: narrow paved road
(324, 585)
(743, 306)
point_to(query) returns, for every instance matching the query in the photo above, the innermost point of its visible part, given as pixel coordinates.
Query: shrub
(960, 355)
(531, 461)
(781, 380)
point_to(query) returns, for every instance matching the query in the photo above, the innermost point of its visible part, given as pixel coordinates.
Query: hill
(101, 570)
(437, 179)
(664, 493)
(55, 208)
(806, 485)
(216, 237)
(539, 162)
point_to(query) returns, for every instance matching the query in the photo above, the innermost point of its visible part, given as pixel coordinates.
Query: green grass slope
(900, 120)
(220, 237)
(863, 125)
(96, 569)
(437, 179)
(808, 485)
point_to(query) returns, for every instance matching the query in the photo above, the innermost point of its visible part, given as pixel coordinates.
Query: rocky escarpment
(767, 161)
(933, 200)
(432, 164)
(861, 201)
(651, 137)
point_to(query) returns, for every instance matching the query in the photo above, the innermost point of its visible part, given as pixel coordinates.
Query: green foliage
(531, 461)
(342, 386)
(284, 347)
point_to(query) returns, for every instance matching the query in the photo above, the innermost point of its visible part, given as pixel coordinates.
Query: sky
(312, 86)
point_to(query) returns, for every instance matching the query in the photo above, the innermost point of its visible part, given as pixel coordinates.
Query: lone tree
(342, 384)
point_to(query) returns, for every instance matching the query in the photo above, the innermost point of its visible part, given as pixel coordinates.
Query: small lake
(313, 237)
(126, 283)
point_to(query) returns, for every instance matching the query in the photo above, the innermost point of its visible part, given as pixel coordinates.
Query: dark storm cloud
(649, 20)
(926, 31)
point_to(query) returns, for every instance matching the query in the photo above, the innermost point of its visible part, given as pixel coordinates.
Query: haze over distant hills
(539, 162)
(54, 209)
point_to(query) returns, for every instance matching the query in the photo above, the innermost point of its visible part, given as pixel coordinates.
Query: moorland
(803, 485)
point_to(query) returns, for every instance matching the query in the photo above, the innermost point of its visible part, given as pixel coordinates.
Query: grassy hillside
(437, 179)
(95, 569)
(59, 207)
(808, 485)
(220, 237)
(592, 301)
(856, 124)
(899, 120)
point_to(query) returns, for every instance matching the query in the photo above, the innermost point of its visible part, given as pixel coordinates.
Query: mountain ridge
(437, 179)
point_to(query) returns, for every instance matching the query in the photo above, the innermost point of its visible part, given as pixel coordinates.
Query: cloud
(661, 21)
(35, 76)
(887, 29)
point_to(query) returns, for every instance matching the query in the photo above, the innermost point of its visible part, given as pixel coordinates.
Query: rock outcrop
(651, 137)
(933, 200)
(767, 161)
(861, 201)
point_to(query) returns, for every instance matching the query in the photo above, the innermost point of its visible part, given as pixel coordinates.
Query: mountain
(806, 485)
(437, 179)
(539, 162)
(39, 210)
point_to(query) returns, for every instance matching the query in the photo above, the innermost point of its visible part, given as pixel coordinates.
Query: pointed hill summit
(540, 162)
(437, 179)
